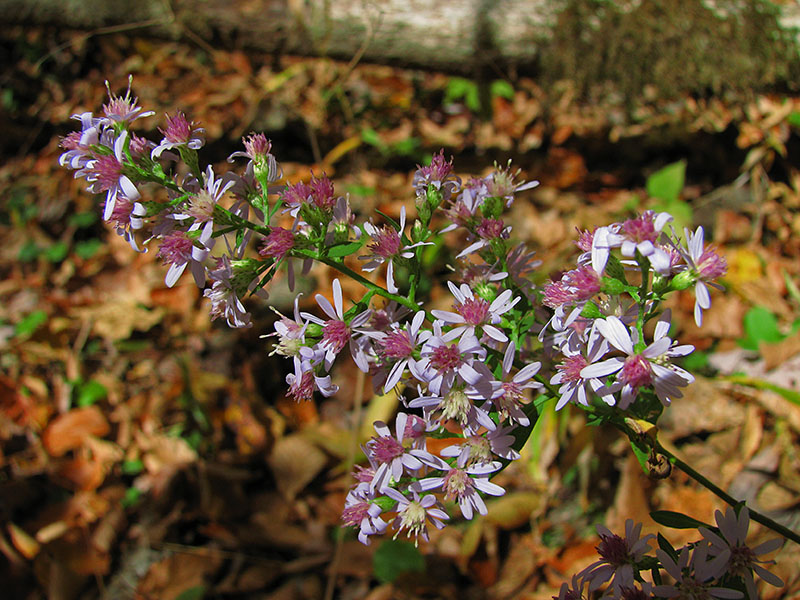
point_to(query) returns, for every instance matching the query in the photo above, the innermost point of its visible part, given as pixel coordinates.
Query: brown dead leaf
(169, 578)
(68, 431)
(777, 353)
(515, 509)
(295, 462)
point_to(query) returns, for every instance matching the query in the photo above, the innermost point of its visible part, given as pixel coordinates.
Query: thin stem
(702, 480)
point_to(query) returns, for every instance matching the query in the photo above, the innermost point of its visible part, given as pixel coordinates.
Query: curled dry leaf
(69, 431)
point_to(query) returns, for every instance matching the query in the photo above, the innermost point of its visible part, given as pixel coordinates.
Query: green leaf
(664, 544)
(132, 467)
(371, 137)
(131, 497)
(760, 325)
(666, 184)
(696, 361)
(642, 453)
(57, 252)
(683, 213)
(30, 323)
(90, 392)
(83, 219)
(86, 249)
(395, 557)
(29, 252)
(794, 118)
(502, 88)
(676, 520)
(197, 592)
(347, 249)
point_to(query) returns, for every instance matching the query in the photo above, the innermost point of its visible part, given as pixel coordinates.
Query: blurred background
(147, 452)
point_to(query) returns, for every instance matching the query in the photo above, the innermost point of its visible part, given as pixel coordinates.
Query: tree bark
(470, 37)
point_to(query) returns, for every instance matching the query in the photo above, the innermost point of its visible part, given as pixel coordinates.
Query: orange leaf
(67, 432)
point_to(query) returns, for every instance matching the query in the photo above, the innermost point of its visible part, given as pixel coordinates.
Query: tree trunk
(746, 44)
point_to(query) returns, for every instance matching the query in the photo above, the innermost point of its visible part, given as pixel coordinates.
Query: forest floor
(147, 452)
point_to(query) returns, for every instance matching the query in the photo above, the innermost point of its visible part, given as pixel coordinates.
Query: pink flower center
(640, 229)
(584, 282)
(257, 146)
(353, 515)
(72, 141)
(278, 243)
(446, 358)
(512, 391)
(636, 371)
(108, 170)
(176, 248)
(121, 215)
(585, 239)
(385, 243)
(335, 334)
(179, 130)
(613, 549)
(474, 310)
(322, 193)
(385, 448)
(397, 345)
(556, 294)
(490, 229)
(711, 265)
(304, 388)
(571, 368)
(297, 194)
(201, 206)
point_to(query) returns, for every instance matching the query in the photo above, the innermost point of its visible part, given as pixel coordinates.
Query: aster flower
(414, 514)
(579, 354)
(510, 389)
(386, 247)
(128, 215)
(304, 381)
(474, 312)
(124, 109)
(703, 266)
(225, 301)
(445, 357)
(650, 367)
(277, 244)
(618, 556)
(391, 456)
(78, 144)
(501, 184)
(359, 511)
(179, 133)
(743, 560)
(105, 174)
(456, 404)
(572, 590)
(694, 574)
(290, 332)
(397, 347)
(481, 449)
(439, 175)
(463, 485)
(336, 332)
(257, 148)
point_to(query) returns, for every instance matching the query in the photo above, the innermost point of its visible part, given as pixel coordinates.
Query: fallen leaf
(295, 462)
(69, 430)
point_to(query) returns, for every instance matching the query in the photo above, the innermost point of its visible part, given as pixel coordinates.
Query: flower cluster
(719, 565)
(474, 370)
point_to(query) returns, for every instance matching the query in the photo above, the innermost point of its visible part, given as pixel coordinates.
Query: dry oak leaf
(69, 430)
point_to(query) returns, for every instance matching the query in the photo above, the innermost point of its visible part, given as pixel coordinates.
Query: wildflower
(442, 360)
(336, 332)
(579, 354)
(571, 591)
(618, 556)
(481, 449)
(290, 333)
(456, 404)
(128, 215)
(438, 176)
(650, 367)
(463, 485)
(398, 345)
(474, 312)
(277, 244)
(257, 148)
(387, 246)
(304, 381)
(694, 575)
(704, 265)
(414, 514)
(124, 109)
(391, 456)
(224, 300)
(743, 560)
(509, 390)
(359, 511)
(179, 133)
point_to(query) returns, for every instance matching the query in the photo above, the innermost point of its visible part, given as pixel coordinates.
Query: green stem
(702, 480)
(345, 270)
